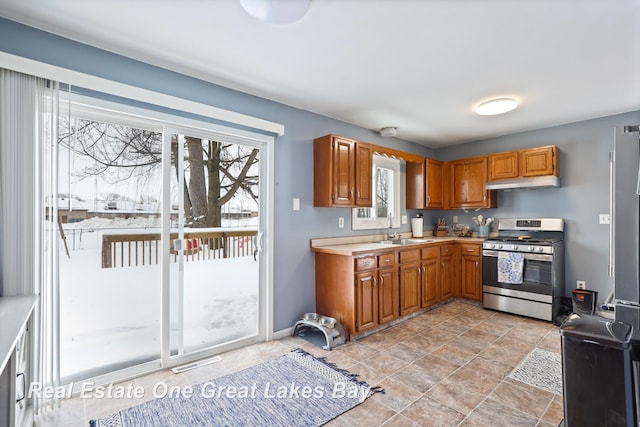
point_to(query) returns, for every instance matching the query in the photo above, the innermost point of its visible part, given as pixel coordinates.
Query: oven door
(536, 275)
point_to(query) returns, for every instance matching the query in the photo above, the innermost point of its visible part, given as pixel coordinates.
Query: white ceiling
(417, 64)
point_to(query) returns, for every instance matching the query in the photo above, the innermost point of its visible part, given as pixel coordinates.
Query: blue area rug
(296, 389)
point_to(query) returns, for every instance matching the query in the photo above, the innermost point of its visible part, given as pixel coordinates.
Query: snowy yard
(110, 317)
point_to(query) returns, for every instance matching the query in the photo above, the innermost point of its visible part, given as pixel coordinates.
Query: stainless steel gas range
(523, 267)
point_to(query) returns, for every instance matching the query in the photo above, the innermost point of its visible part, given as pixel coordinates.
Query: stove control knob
(530, 248)
(514, 247)
(540, 249)
(499, 246)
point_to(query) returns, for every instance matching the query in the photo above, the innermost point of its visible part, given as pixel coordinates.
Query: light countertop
(356, 248)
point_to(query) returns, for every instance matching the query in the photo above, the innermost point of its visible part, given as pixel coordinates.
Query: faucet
(390, 234)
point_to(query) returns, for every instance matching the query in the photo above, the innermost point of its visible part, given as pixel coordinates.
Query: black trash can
(597, 378)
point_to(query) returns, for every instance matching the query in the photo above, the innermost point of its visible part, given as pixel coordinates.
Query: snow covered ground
(110, 318)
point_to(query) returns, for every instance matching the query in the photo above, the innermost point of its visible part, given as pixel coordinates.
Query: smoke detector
(389, 131)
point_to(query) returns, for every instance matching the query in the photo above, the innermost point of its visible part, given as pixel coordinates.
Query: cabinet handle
(428, 199)
(351, 194)
(375, 282)
(381, 281)
(423, 269)
(24, 386)
(469, 250)
(476, 265)
(358, 195)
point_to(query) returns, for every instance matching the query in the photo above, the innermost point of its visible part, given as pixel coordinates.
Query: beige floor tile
(417, 377)
(397, 395)
(498, 414)
(430, 412)
(490, 367)
(437, 366)
(456, 396)
(400, 420)
(454, 354)
(555, 412)
(405, 352)
(369, 413)
(530, 400)
(474, 380)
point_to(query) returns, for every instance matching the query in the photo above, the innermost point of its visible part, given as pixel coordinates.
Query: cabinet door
(387, 295)
(343, 163)
(410, 280)
(425, 184)
(447, 277)
(504, 165)
(363, 175)
(366, 301)
(435, 193)
(415, 185)
(471, 286)
(539, 161)
(468, 180)
(429, 291)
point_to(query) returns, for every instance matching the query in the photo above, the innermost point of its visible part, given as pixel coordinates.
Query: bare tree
(214, 173)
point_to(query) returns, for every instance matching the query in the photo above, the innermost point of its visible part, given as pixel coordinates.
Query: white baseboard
(283, 333)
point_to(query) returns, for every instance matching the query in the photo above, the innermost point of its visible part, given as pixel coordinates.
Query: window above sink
(385, 212)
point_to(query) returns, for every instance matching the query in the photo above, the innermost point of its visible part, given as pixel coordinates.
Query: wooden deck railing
(130, 250)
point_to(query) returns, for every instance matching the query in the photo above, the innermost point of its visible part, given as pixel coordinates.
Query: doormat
(541, 369)
(296, 389)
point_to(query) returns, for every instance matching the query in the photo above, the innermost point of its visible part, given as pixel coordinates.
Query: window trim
(378, 223)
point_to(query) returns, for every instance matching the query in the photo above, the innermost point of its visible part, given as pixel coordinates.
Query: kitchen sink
(404, 241)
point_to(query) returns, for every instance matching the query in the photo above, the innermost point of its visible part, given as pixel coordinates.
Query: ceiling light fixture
(496, 106)
(389, 131)
(276, 11)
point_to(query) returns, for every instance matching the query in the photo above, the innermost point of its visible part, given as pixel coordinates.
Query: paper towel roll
(416, 227)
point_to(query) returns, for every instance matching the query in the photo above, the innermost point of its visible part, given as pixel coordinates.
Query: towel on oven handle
(510, 267)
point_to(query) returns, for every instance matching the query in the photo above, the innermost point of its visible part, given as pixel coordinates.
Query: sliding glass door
(108, 227)
(160, 243)
(214, 241)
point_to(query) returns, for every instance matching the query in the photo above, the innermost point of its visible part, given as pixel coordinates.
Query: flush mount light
(389, 131)
(276, 11)
(496, 106)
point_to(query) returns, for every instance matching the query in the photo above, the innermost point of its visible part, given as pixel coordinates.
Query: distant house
(69, 212)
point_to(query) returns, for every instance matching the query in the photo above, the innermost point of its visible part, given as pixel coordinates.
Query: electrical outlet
(341, 222)
(580, 284)
(455, 219)
(404, 219)
(604, 219)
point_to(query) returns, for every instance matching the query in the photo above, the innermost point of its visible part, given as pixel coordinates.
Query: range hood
(528, 183)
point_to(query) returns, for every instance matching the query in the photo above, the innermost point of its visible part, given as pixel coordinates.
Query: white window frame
(372, 222)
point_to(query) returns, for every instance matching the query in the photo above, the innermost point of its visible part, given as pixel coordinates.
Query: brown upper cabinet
(504, 165)
(424, 185)
(467, 181)
(342, 169)
(539, 161)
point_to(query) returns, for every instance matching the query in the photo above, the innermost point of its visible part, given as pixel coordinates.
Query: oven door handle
(527, 256)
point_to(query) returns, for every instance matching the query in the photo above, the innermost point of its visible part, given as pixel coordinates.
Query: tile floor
(446, 367)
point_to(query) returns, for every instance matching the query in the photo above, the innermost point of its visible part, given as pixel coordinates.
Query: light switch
(404, 219)
(296, 204)
(341, 222)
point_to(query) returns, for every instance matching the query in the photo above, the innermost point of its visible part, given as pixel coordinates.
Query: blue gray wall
(583, 149)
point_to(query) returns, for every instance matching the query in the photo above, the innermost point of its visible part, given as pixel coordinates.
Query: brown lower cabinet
(365, 291)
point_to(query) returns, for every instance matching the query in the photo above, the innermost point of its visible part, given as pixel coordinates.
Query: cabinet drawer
(430, 252)
(446, 250)
(466, 249)
(386, 260)
(407, 256)
(365, 263)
